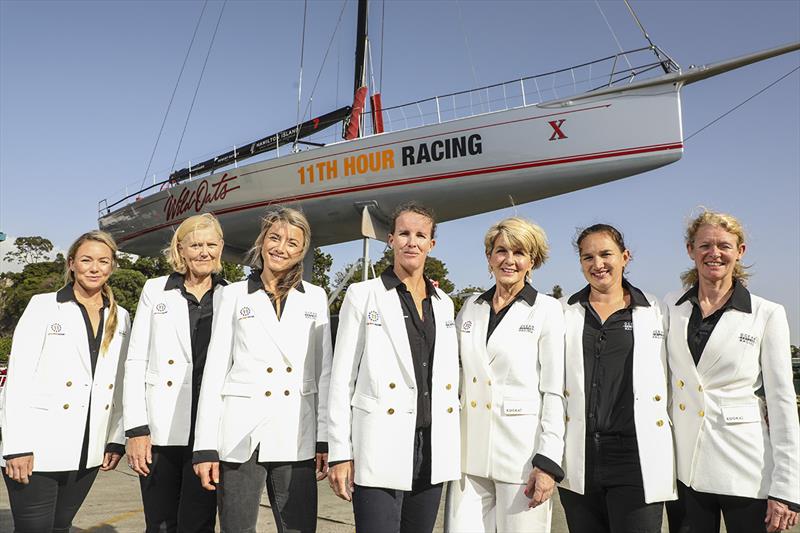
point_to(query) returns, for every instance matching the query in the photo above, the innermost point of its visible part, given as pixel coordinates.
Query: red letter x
(557, 133)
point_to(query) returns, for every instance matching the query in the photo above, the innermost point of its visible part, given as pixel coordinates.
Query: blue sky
(84, 87)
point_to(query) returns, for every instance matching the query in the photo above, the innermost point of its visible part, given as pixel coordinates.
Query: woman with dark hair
(262, 416)
(62, 420)
(618, 455)
(393, 408)
(733, 403)
(163, 372)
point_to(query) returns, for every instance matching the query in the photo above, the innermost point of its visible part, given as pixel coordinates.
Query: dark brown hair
(413, 207)
(608, 229)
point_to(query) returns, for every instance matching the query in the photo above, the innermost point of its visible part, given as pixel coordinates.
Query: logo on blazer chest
(747, 339)
(466, 327)
(527, 328)
(373, 318)
(161, 308)
(245, 312)
(55, 329)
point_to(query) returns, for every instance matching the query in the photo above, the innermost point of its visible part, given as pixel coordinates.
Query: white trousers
(480, 505)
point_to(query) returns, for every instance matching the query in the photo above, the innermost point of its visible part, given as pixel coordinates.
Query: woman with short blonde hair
(163, 373)
(62, 420)
(730, 365)
(512, 421)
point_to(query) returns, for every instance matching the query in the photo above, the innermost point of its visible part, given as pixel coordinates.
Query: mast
(355, 125)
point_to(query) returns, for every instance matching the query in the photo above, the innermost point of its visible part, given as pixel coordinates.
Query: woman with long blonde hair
(262, 419)
(62, 420)
(163, 373)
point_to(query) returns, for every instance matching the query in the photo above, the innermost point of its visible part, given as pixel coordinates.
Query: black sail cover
(266, 144)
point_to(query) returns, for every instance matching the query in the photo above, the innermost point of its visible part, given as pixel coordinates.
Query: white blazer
(50, 389)
(653, 426)
(373, 397)
(723, 443)
(265, 382)
(511, 388)
(158, 369)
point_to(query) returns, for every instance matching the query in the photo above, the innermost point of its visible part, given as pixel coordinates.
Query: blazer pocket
(151, 378)
(41, 401)
(520, 407)
(309, 387)
(231, 388)
(741, 414)
(364, 402)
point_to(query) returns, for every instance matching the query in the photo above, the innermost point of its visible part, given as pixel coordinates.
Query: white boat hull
(524, 154)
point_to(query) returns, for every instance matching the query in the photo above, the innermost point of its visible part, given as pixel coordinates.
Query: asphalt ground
(114, 506)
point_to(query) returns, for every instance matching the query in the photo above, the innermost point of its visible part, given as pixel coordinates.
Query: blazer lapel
(715, 347)
(291, 315)
(180, 320)
(393, 321)
(77, 327)
(265, 314)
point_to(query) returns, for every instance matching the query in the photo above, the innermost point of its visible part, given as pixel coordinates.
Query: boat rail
(609, 71)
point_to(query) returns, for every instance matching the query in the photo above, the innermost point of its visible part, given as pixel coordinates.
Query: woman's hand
(322, 466)
(779, 516)
(540, 487)
(20, 468)
(110, 461)
(140, 454)
(208, 474)
(341, 480)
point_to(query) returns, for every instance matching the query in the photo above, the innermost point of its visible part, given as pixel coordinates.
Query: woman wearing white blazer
(62, 420)
(511, 342)
(262, 416)
(618, 455)
(393, 408)
(163, 373)
(733, 403)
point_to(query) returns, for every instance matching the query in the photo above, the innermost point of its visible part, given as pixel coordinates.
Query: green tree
(557, 292)
(30, 250)
(19, 287)
(127, 285)
(322, 265)
(5, 349)
(152, 267)
(232, 271)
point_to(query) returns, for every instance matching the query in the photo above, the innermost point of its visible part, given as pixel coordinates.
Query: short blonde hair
(290, 216)
(724, 221)
(187, 227)
(520, 234)
(69, 277)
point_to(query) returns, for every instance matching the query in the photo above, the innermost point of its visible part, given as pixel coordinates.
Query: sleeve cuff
(322, 447)
(792, 506)
(15, 455)
(205, 456)
(113, 447)
(139, 431)
(548, 465)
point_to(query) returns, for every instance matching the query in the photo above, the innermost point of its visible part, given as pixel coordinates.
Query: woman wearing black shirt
(618, 446)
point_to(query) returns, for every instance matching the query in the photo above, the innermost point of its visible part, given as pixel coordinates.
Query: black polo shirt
(254, 283)
(700, 329)
(527, 294)
(608, 365)
(421, 333)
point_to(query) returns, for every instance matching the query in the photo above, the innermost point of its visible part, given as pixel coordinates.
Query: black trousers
(380, 510)
(174, 501)
(699, 512)
(50, 501)
(291, 487)
(613, 500)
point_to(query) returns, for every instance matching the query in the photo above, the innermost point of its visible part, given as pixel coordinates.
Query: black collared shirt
(255, 283)
(201, 315)
(700, 329)
(527, 294)
(608, 365)
(421, 333)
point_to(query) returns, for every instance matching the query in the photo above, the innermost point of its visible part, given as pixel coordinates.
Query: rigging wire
(737, 106)
(174, 90)
(380, 73)
(466, 43)
(614, 35)
(197, 88)
(324, 59)
(641, 27)
(300, 82)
